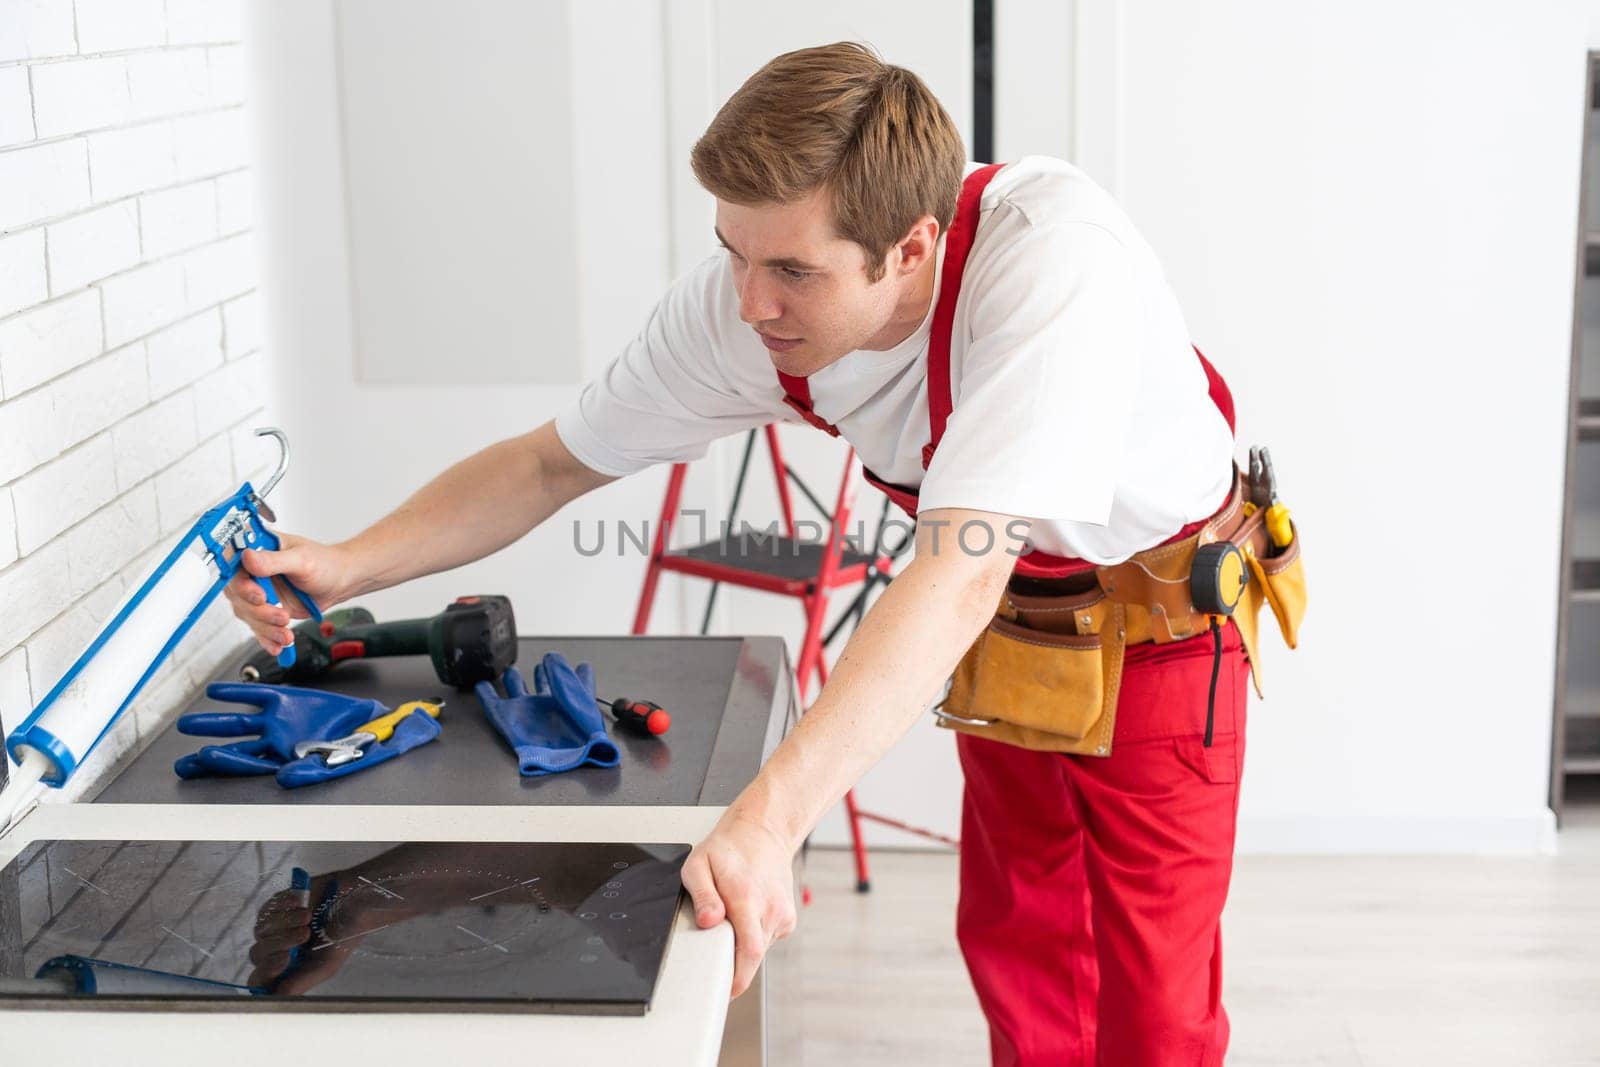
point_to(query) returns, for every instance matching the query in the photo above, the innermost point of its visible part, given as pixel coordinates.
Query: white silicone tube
(22, 787)
(81, 711)
(105, 678)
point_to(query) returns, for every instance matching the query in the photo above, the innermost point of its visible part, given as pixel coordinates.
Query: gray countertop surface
(730, 699)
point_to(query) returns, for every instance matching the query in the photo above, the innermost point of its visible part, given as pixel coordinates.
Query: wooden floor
(1370, 961)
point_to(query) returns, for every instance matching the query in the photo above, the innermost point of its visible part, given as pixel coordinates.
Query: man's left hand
(743, 872)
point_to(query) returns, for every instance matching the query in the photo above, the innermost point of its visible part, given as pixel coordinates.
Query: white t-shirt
(1078, 401)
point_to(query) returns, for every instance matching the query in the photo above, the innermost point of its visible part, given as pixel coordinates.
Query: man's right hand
(493, 497)
(322, 572)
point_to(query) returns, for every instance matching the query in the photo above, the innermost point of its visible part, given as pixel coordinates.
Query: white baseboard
(1529, 834)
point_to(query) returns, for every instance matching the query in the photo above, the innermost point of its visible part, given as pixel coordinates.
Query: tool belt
(1046, 672)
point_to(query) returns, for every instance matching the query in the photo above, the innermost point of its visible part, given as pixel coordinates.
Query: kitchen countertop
(728, 697)
(731, 701)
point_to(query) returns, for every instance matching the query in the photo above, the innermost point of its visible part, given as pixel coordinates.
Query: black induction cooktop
(575, 928)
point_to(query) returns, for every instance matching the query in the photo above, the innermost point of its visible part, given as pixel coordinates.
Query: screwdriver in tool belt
(1278, 526)
(638, 716)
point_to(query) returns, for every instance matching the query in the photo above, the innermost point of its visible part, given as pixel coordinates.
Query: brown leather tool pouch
(1045, 673)
(1277, 579)
(1282, 579)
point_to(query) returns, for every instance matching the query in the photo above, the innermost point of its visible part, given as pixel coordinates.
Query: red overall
(1092, 888)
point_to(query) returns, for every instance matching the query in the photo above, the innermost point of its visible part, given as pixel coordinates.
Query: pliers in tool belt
(1264, 495)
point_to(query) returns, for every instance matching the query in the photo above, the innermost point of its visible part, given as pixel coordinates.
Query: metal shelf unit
(1576, 736)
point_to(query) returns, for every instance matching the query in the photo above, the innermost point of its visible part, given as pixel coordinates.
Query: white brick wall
(131, 160)
(164, 83)
(30, 29)
(22, 274)
(208, 144)
(234, 204)
(98, 547)
(80, 95)
(202, 21)
(52, 498)
(130, 333)
(182, 354)
(93, 245)
(41, 181)
(154, 438)
(28, 428)
(241, 326)
(16, 107)
(178, 218)
(8, 532)
(115, 25)
(142, 300)
(45, 341)
(14, 679)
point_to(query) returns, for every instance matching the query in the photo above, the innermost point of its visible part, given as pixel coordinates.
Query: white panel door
(457, 127)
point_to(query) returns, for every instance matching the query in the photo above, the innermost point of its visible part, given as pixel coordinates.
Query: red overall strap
(957, 243)
(797, 394)
(1220, 394)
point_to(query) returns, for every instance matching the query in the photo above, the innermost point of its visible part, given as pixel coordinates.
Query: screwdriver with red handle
(639, 716)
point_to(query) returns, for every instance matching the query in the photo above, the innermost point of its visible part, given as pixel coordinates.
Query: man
(1031, 371)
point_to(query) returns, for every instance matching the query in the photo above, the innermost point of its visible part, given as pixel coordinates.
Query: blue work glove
(556, 727)
(286, 716)
(414, 730)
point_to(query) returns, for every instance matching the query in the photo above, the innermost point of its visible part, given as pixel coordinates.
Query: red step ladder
(788, 566)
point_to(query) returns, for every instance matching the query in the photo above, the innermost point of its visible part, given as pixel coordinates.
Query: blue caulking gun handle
(270, 542)
(62, 729)
(253, 533)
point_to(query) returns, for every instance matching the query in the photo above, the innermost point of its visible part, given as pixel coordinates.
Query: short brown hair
(837, 116)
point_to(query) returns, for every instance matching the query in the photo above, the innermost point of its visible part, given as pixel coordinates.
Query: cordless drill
(473, 640)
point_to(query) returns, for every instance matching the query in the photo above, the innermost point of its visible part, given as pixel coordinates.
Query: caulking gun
(144, 628)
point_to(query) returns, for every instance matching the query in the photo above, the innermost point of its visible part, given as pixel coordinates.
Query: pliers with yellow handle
(393, 734)
(1264, 495)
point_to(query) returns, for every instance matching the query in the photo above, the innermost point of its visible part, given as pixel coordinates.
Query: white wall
(449, 188)
(130, 333)
(1370, 212)
(361, 448)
